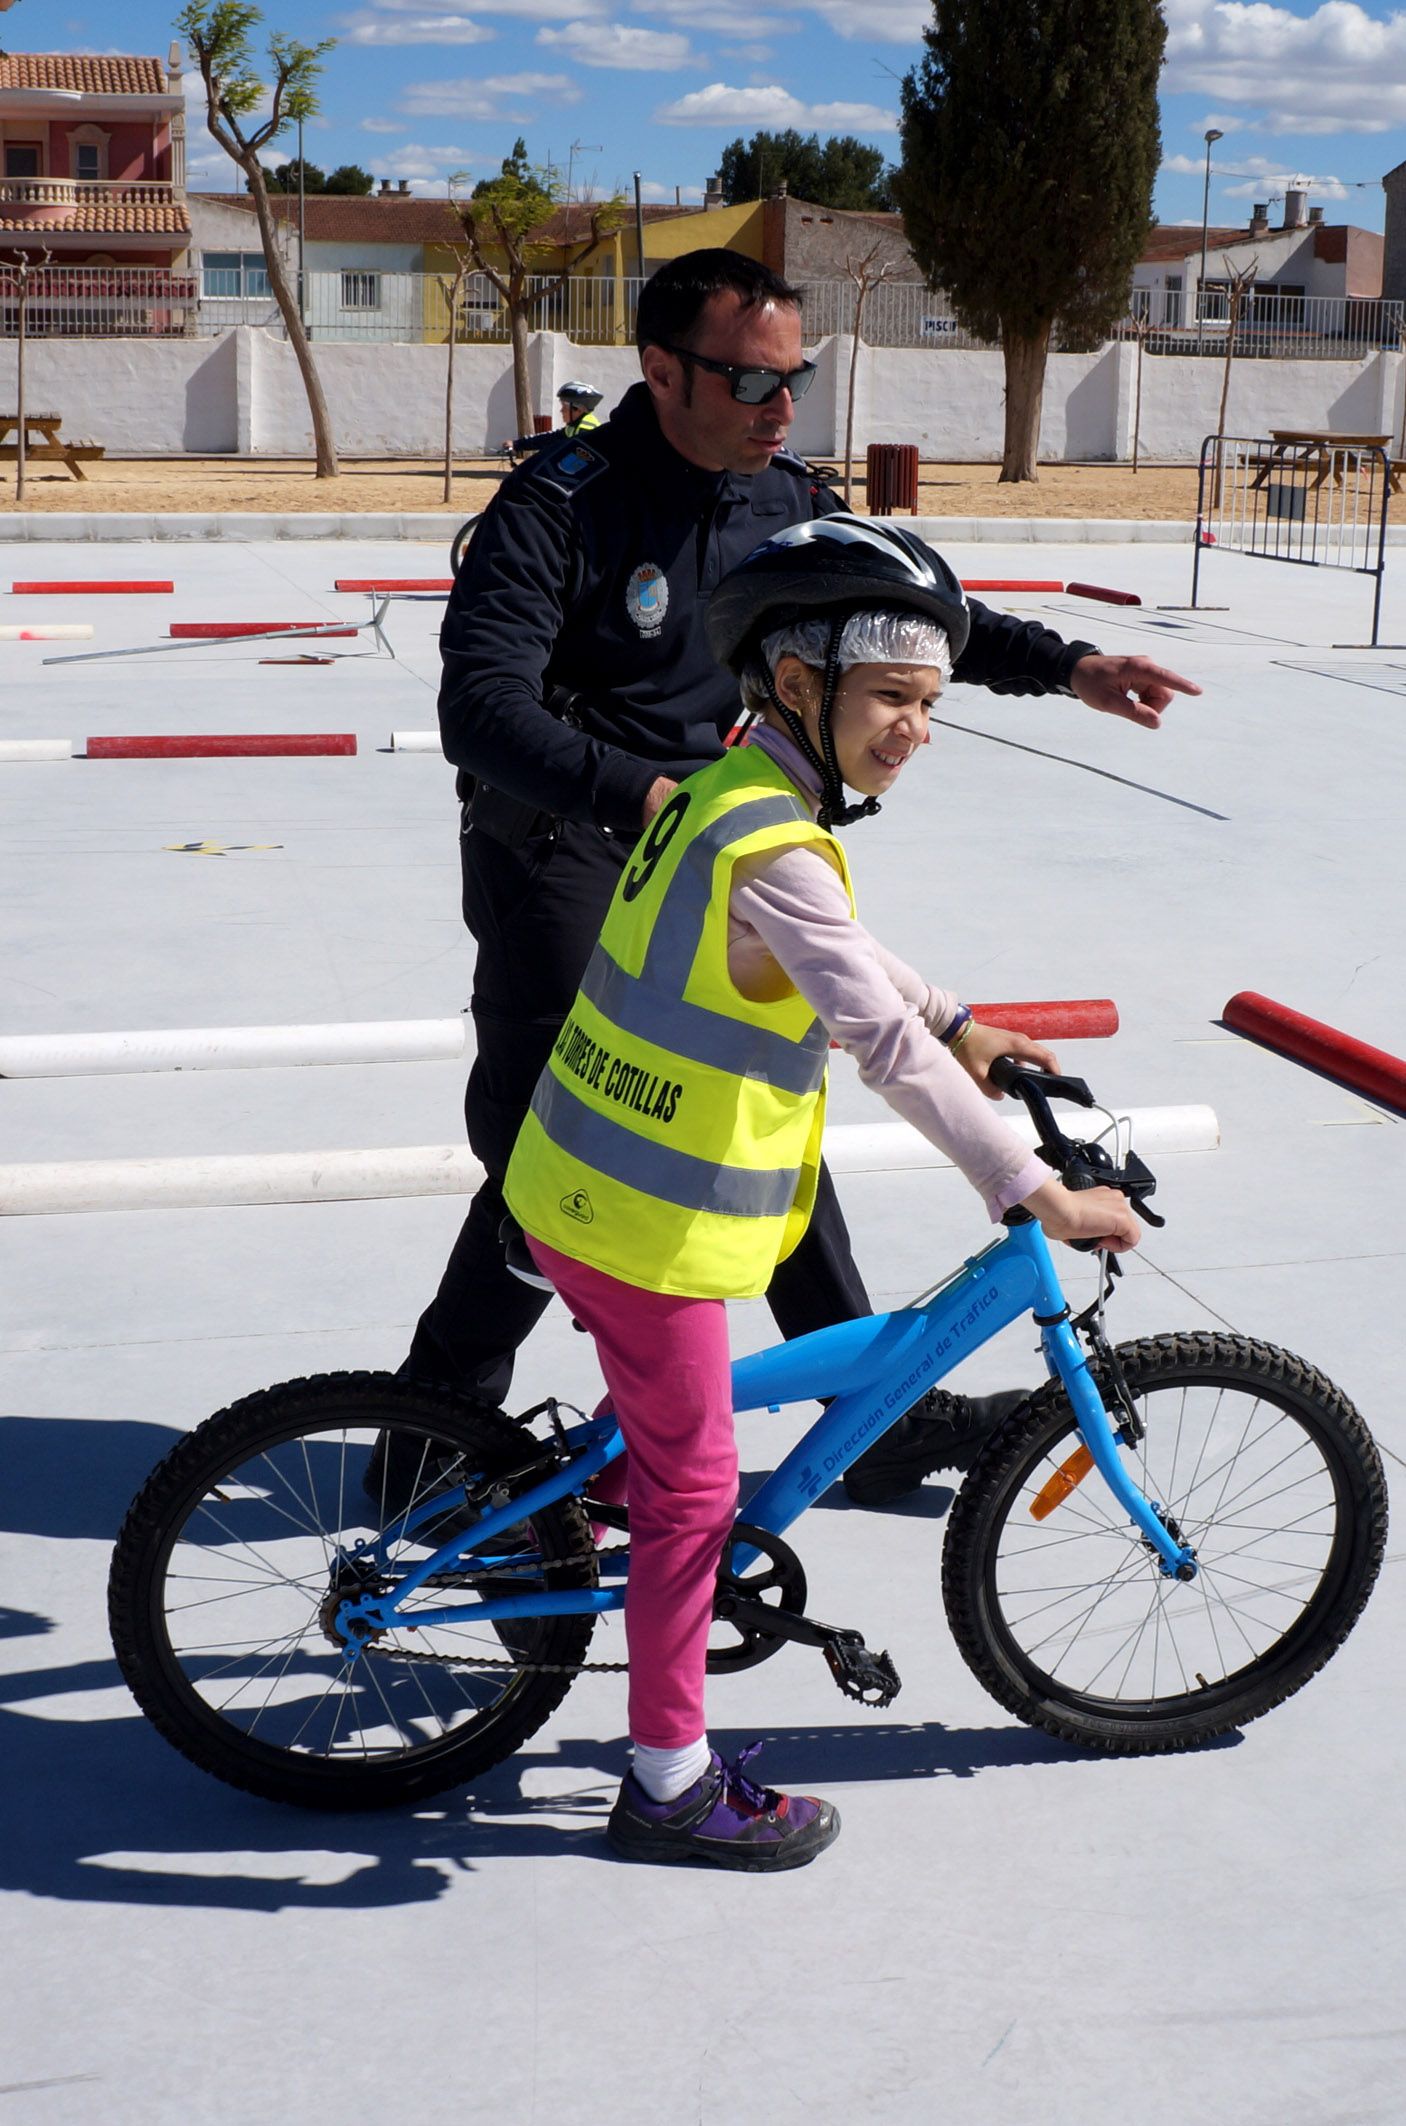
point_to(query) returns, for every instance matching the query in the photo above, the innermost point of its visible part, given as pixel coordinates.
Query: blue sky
(419, 88)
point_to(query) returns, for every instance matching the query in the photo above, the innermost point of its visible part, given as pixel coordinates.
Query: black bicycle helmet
(831, 567)
(581, 395)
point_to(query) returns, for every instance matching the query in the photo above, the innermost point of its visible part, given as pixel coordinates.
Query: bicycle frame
(875, 1368)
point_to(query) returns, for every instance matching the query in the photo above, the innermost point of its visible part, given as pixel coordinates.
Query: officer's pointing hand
(1134, 687)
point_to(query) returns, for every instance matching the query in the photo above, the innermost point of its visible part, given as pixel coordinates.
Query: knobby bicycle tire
(1264, 1467)
(236, 1551)
(460, 543)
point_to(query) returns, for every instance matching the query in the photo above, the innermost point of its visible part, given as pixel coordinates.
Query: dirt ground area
(210, 484)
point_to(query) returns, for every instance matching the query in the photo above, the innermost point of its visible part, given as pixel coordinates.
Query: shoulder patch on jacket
(569, 468)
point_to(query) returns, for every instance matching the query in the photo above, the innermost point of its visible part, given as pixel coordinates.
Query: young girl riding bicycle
(671, 1154)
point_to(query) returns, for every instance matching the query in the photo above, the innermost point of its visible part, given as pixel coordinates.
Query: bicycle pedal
(862, 1674)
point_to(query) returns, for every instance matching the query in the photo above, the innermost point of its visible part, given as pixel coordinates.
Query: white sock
(665, 1774)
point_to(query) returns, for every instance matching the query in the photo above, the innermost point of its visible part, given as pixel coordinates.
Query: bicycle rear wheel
(1059, 1605)
(236, 1553)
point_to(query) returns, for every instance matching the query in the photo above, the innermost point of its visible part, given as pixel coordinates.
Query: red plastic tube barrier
(77, 590)
(240, 744)
(211, 630)
(1009, 583)
(1059, 1019)
(395, 583)
(1097, 590)
(1354, 1063)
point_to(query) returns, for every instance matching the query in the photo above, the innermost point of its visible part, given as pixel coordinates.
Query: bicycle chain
(521, 1668)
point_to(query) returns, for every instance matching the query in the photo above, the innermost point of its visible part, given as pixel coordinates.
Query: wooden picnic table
(50, 445)
(1327, 451)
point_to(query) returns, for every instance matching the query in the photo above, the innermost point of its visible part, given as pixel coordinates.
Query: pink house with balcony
(92, 159)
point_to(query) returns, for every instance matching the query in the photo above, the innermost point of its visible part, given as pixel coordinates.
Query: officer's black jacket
(576, 667)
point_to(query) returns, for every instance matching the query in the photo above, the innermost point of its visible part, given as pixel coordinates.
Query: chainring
(777, 1572)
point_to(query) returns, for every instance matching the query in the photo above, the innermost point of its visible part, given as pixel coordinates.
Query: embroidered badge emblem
(647, 599)
(578, 1205)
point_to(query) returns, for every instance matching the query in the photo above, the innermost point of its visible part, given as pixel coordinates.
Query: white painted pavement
(1006, 1932)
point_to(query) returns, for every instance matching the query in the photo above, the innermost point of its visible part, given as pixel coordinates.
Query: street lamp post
(1212, 136)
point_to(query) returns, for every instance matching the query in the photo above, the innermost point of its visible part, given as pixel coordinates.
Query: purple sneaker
(724, 1817)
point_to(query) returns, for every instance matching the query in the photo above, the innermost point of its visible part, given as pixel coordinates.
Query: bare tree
(868, 272)
(500, 224)
(1240, 282)
(452, 289)
(218, 33)
(19, 277)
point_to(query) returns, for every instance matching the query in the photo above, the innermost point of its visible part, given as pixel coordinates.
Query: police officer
(578, 689)
(576, 403)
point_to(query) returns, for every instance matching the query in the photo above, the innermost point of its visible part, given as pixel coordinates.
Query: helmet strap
(834, 812)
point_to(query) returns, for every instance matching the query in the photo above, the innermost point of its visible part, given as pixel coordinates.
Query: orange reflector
(1062, 1483)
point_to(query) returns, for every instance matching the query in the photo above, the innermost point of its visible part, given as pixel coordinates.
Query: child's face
(880, 717)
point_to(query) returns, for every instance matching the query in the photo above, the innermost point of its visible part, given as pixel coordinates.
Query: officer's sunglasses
(750, 387)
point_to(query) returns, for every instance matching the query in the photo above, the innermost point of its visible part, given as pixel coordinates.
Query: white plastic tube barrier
(48, 631)
(36, 749)
(416, 742)
(437, 1169)
(891, 1147)
(78, 1055)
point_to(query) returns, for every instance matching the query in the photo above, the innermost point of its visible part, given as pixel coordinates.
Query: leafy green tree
(502, 221)
(351, 181)
(1030, 147)
(219, 34)
(840, 172)
(286, 177)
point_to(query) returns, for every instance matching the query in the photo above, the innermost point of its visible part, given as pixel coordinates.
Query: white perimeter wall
(242, 394)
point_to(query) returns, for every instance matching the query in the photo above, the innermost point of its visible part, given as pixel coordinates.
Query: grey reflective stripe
(655, 1169)
(683, 909)
(698, 1035)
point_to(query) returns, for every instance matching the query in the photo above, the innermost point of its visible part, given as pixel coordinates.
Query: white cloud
(488, 98)
(619, 44)
(655, 194)
(877, 21)
(381, 125)
(416, 29)
(1264, 178)
(769, 105)
(425, 165)
(724, 17)
(523, 10)
(1338, 69)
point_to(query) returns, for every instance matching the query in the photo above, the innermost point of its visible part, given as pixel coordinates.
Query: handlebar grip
(1002, 1073)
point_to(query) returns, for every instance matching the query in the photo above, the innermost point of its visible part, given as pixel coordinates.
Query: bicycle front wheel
(1059, 1604)
(237, 1552)
(459, 546)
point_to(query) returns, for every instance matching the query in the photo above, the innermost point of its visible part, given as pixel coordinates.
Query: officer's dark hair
(672, 301)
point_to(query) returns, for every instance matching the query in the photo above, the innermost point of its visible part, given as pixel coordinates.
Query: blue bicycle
(353, 1591)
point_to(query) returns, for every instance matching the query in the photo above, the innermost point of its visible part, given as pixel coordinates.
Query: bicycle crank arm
(860, 1673)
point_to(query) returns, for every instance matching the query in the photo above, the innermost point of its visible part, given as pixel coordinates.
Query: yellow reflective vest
(674, 1137)
(587, 420)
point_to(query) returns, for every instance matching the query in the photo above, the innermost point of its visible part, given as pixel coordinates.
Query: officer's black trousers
(536, 913)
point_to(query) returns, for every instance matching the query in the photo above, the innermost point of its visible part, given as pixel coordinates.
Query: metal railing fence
(370, 303)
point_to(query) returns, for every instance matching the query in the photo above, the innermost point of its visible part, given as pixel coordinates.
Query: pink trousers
(667, 1369)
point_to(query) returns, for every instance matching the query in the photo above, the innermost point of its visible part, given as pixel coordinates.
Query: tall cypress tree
(1030, 147)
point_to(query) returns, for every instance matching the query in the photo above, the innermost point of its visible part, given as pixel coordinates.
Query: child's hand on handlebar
(979, 1047)
(1101, 1215)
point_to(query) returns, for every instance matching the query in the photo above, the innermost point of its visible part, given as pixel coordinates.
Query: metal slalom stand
(375, 625)
(1317, 504)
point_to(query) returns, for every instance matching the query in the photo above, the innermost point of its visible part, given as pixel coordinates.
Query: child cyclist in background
(670, 1157)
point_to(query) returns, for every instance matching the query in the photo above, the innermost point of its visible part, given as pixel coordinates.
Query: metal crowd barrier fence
(1316, 502)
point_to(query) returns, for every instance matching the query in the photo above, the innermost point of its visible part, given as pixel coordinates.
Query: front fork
(1065, 1357)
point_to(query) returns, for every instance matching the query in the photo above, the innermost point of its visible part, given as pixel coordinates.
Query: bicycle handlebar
(1079, 1165)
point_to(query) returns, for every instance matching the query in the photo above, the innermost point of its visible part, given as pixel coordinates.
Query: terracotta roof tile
(109, 74)
(97, 218)
(334, 219)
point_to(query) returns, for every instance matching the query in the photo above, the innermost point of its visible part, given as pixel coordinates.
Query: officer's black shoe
(941, 1432)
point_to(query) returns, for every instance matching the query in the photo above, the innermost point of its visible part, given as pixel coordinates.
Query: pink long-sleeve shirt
(790, 911)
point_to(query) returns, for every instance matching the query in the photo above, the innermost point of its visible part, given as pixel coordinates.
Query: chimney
(1259, 218)
(1315, 216)
(386, 189)
(713, 192)
(1295, 209)
(783, 189)
(403, 188)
